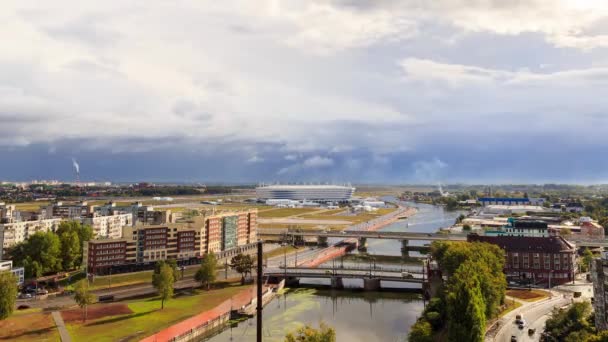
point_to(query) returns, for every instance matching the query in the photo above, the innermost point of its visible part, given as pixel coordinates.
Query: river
(356, 315)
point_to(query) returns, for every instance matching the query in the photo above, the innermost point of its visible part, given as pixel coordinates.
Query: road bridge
(372, 277)
(293, 236)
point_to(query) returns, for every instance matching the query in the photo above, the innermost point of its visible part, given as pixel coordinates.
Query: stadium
(316, 193)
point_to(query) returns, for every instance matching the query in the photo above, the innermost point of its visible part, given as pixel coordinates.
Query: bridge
(292, 236)
(372, 276)
(358, 234)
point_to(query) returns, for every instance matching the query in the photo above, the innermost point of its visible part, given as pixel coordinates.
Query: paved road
(533, 314)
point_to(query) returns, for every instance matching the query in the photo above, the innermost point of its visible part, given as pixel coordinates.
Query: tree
(242, 264)
(8, 294)
(84, 233)
(421, 331)
(83, 296)
(572, 321)
(163, 282)
(171, 263)
(310, 334)
(207, 272)
(587, 259)
(70, 249)
(465, 303)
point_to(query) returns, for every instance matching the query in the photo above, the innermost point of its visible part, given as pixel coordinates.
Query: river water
(356, 315)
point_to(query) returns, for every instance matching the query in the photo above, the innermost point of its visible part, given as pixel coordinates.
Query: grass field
(285, 212)
(147, 317)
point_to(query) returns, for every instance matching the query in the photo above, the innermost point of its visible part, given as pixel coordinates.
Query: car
(406, 275)
(513, 338)
(531, 331)
(520, 325)
(25, 295)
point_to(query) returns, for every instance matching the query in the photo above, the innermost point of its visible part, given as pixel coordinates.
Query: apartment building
(68, 211)
(224, 234)
(19, 272)
(144, 214)
(16, 232)
(108, 226)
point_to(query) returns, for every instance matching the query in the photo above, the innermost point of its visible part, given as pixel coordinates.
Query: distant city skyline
(331, 91)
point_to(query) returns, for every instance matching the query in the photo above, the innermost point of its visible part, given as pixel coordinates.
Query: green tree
(587, 259)
(163, 282)
(39, 254)
(84, 232)
(465, 303)
(207, 272)
(169, 262)
(242, 264)
(70, 249)
(8, 294)
(421, 331)
(564, 322)
(310, 334)
(83, 297)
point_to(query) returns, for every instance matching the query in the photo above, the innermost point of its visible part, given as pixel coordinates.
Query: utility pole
(259, 284)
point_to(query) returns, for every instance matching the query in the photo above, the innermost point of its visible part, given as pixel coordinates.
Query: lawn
(510, 305)
(285, 212)
(29, 326)
(30, 206)
(147, 317)
(531, 295)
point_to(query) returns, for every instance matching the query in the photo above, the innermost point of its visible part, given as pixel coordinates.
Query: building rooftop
(551, 244)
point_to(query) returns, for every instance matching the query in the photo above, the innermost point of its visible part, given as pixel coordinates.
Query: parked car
(513, 338)
(531, 331)
(406, 275)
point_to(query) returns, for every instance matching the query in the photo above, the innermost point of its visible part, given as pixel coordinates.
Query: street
(534, 314)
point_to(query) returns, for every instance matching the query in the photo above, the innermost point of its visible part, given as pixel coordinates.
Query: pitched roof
(551, 244)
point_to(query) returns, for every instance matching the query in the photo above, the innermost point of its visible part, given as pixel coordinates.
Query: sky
(378, 91)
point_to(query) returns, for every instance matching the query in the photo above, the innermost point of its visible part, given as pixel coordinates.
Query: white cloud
(317, 161)
(255, 159)
(290, 157)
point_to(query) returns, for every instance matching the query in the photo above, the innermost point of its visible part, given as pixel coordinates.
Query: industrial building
(141, 246)
(315, 193)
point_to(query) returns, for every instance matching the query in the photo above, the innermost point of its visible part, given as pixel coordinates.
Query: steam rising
(76, 166)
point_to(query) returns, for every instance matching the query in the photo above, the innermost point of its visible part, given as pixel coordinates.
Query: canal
(356, 315)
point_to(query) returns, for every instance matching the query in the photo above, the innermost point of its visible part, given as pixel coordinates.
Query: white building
(15, 232)
(19, 272)
(108, 226)
(316, 193)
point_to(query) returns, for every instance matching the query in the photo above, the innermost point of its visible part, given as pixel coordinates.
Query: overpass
(372, 276)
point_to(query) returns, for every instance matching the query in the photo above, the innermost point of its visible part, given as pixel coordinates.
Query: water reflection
(356, 316)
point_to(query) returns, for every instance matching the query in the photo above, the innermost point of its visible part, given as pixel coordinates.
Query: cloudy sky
(362, 91)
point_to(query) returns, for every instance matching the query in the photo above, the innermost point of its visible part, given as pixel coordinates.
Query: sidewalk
(63, 332)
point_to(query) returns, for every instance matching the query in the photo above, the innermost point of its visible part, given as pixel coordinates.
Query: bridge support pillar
(292, 281)
(322, 241)
(336, 283)
(362, 244)
(371, 284)
(405, 251)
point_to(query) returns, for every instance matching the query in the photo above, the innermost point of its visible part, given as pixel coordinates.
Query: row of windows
(104, 258)
(109, 251)
(108, 246)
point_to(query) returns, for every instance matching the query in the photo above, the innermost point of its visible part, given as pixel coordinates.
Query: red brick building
(535, 258)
